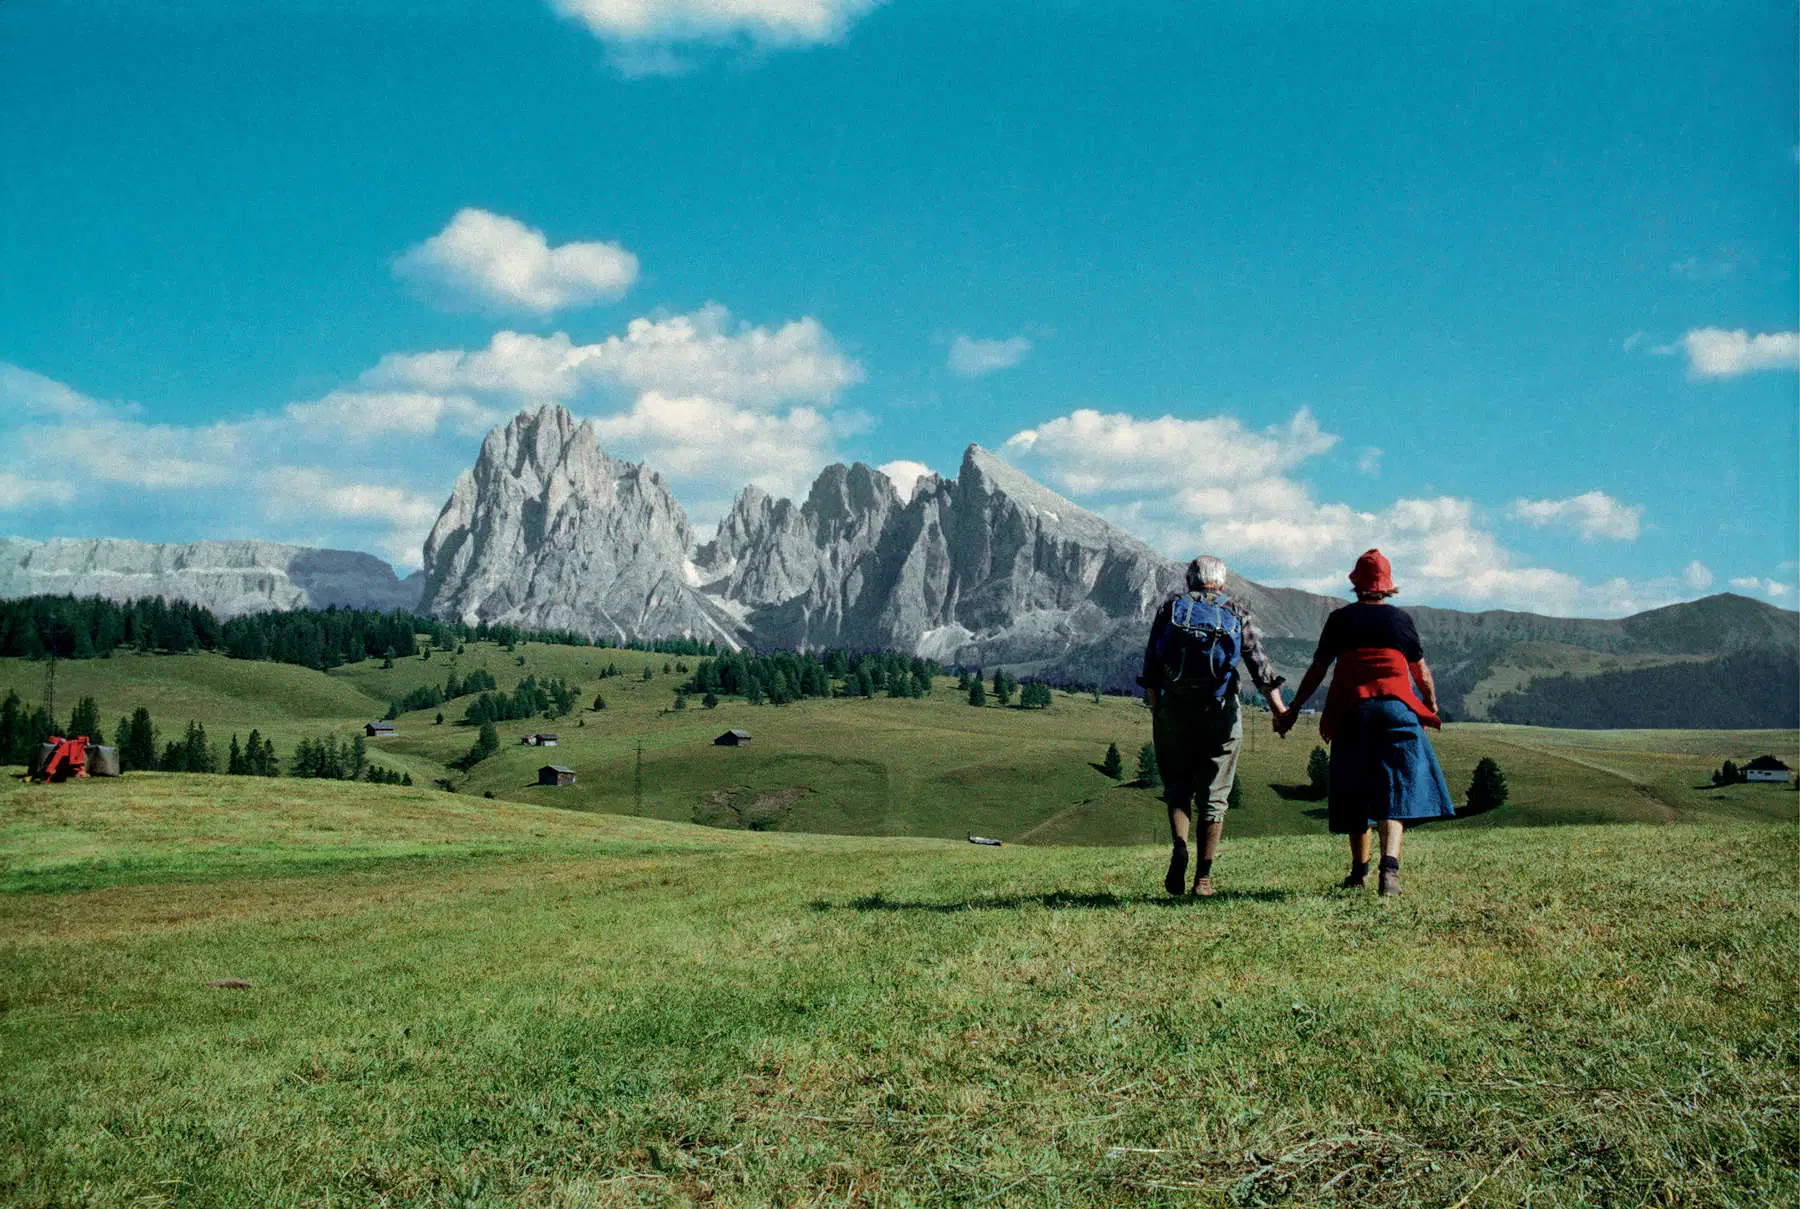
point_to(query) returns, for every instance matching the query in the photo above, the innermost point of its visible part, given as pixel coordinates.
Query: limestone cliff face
(228, 577)
(546, 531)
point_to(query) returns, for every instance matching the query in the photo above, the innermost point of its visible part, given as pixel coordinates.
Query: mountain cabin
(556, 774)
(380, 730)
(538, 740)
(732, 738)
(1766, 768)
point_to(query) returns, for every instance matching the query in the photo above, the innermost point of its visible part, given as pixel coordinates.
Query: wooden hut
(732, 738)
(380, 730)
(556, 774)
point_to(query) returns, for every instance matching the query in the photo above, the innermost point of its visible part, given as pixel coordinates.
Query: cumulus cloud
(488, 261)
(361, 415)
(1088, 450)
(905, 475)
(705, 352)
(1697, 575)
(1771, 587)
(19, 492)
(644, 35)
(971, 358)
(698, 440)
(1717, 353)
(1593, 515)
(1219, 485)
(1369, 461)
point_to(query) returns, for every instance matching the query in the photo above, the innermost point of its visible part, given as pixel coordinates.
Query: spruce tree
(1147, 772)
(139, 749)
(1487, 788)
(710, 701)
(977, 694)
(85, 720)
(13, 747)
(1113, 765)
(234, 761)
(1318, 771)
(121, 740)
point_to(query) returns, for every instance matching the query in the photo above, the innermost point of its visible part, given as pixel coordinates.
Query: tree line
(779, 677)
(67, 627)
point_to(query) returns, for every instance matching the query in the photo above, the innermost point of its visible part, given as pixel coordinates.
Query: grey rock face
(548, 532)
(228, 577)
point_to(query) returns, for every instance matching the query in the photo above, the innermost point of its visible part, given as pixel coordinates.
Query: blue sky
(1506, 288)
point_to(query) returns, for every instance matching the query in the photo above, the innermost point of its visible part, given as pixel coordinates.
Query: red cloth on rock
(1365, 672)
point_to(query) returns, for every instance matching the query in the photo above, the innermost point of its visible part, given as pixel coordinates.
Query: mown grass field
(459, 1002)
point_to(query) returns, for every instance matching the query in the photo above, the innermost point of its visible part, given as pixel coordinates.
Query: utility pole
(637, 780)
(50, 690)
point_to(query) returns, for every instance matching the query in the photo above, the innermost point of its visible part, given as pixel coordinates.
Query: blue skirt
(1382, 767)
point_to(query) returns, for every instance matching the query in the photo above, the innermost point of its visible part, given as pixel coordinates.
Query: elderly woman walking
(1383, 771)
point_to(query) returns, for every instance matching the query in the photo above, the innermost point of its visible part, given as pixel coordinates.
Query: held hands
(1283, 720)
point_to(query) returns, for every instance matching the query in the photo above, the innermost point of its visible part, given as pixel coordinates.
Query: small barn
(1766, 768)
(380, 730)
(732, 738)
(556, 774)
(538, 740)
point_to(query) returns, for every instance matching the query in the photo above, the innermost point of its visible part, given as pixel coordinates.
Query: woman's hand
(1283, 720)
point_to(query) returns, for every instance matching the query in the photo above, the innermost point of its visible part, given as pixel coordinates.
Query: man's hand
(1283, 720)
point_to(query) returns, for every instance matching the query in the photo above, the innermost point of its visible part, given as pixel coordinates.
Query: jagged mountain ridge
(990, 568)
(228, 577)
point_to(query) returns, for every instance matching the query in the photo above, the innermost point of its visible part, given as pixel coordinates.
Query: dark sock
(1390, 864)
(1203, 869)
(1359, 868)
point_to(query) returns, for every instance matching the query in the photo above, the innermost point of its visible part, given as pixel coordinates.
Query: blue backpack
(1199, 648)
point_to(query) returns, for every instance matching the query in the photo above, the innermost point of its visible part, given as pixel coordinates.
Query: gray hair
(1205, 572)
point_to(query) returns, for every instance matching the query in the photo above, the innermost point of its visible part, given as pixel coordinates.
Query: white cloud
(704, 353)
(18, 492)
(1213, 484)
(1593, 514)
(905, 475)
(1369, 461)
(493, 262)
(970, 358)
(1716, 266)
(706, 441)
(1716, 353)
(1089, 450)
(358, 415)
(640, 23)
(1697, 575)
(1770, 587)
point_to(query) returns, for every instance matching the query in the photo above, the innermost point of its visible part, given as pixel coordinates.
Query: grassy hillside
(569, 1009)
(931, 767)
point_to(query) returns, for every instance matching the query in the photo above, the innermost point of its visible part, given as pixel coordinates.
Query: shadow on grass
(1298, 793)
(1055, 900)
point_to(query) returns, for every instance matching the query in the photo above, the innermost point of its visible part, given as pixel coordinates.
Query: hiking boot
(1203, 887)
(1176, 878)
(1354, 881)
(1390, 883)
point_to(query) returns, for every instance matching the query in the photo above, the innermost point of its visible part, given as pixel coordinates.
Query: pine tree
(648, 673)
(1318, 771)
(85, 720)
(599, 701)
(234, 761)
(13, 746)
(359, 756)
(1147, 772)
(439, 720)
(121, 739)
(977, 694)
(1002, 688)
(1113, 765)
(139, 748)
(1487, 788)
(680, 700)
(710, 701)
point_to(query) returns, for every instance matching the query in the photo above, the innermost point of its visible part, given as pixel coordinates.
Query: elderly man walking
(1191, 685)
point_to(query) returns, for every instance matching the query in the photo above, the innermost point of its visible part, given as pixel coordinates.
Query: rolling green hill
(225, 992)
(877, 766)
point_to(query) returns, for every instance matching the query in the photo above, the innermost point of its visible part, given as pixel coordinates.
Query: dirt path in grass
(1663, 806)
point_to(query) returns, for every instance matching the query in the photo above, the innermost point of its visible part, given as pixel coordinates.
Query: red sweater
(1366, 672)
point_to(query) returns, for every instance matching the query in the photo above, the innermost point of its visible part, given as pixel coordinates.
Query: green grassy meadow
(879, 766)
(461, 1002)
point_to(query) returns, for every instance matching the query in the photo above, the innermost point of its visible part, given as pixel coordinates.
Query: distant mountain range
(988, 569)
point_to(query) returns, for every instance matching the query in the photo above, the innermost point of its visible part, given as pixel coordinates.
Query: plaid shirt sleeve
(1256, 660)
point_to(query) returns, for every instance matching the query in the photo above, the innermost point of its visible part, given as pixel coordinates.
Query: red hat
(1372, 573)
